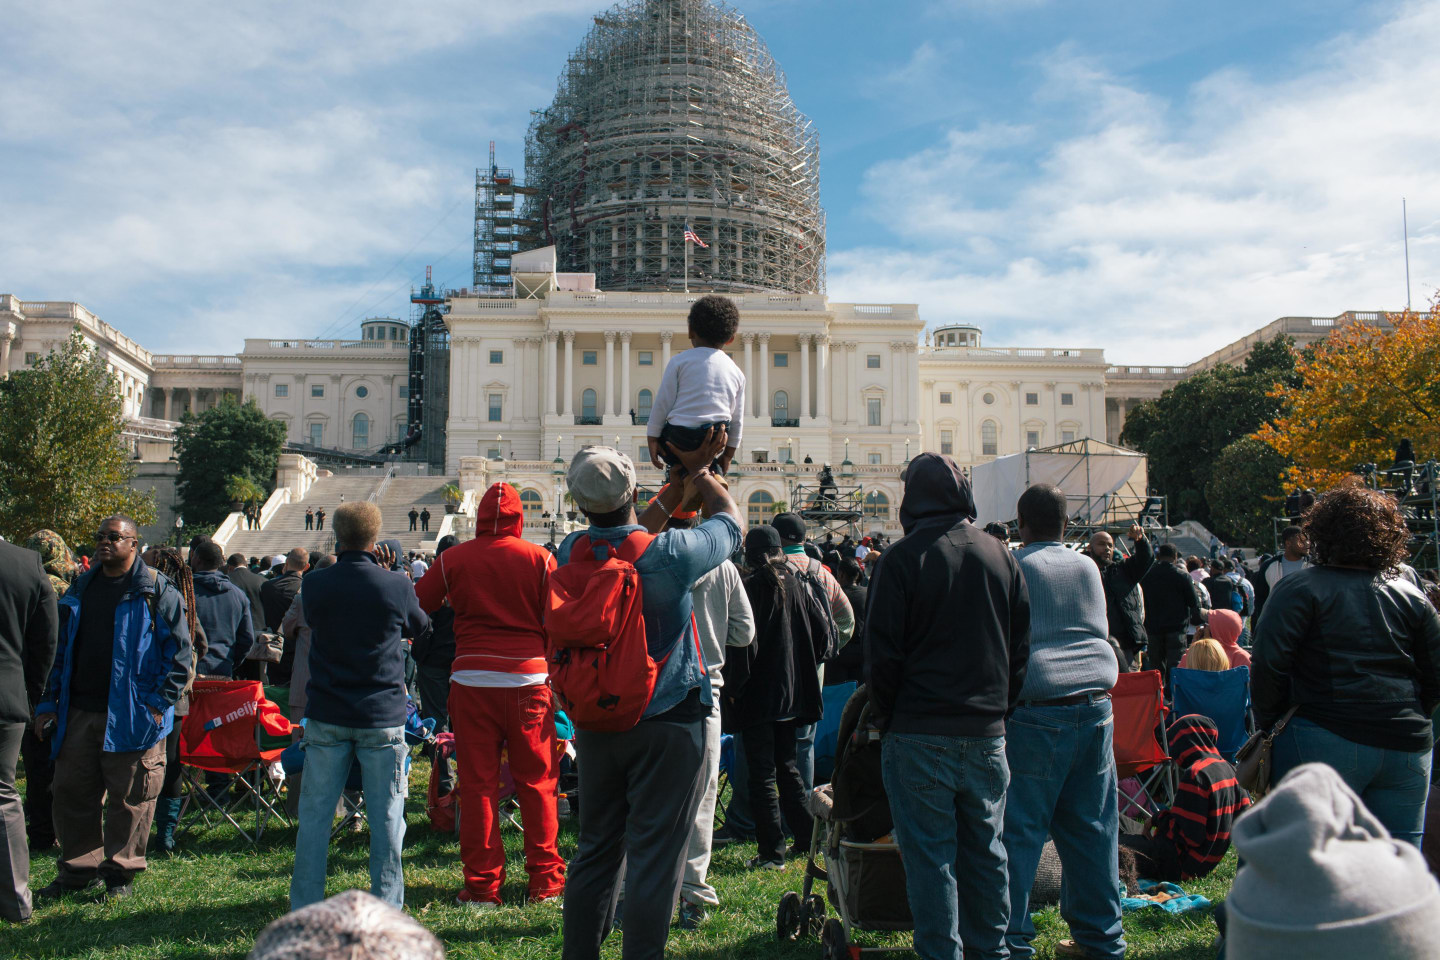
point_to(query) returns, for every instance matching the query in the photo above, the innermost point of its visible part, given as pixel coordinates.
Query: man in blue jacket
(223, 610)
(123, 661)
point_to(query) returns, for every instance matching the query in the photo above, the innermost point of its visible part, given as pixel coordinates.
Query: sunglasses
(111, 536)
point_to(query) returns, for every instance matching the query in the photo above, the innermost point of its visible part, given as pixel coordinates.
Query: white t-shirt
(418, 568)
(700, 386)
(861, 552)
(1277, 570)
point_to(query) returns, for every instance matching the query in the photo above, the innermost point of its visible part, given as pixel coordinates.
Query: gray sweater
(722, 616)
(1068, 651)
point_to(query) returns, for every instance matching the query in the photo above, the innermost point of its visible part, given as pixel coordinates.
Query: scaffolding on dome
(672, 115)
(501, 230)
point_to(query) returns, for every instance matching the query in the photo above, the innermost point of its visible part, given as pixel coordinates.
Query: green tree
(1184, 431)
(1246, 493)
(230, 440)
(63, 461)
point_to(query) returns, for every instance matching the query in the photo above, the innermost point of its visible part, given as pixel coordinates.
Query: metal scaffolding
(428, 394)
(501, 230)
(672, 113)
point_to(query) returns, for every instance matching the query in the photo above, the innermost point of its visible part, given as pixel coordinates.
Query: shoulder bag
(1254, 762)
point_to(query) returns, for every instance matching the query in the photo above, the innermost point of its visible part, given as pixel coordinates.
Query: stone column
(551, 363)
(749, 340)
(1017, 391)
(927, 410)
(1054, 412)
(625, 403)
(517, 403)
(852, 380)
(897, 360)
(822, 377)
(607, 409)
(665, 350)
(568, 393)
(766, 410)
(804, 341)
(912, 370)
(965, 430)
(169, 399)
(8, 334)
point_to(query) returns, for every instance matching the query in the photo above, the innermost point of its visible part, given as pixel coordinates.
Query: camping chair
(723, 787)
(507, 802)
(223, 735)
(827, 733)
(1223, 696)
(1141, 752)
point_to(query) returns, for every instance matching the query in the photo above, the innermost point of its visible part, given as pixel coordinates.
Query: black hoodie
(947, 633)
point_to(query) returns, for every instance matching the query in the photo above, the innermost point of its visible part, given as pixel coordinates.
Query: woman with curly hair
(1355, 649)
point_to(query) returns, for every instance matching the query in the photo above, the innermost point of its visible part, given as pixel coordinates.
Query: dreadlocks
(168, 562)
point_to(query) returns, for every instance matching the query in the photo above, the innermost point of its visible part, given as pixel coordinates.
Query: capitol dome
(672, 114)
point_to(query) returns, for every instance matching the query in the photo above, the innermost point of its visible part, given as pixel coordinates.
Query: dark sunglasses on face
(111, 536)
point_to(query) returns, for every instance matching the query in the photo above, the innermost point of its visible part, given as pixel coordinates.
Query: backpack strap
(633, 546)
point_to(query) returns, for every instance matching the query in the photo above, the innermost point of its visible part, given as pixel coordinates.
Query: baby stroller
(862, 870)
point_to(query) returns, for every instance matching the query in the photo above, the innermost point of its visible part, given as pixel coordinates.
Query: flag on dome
(690, 237)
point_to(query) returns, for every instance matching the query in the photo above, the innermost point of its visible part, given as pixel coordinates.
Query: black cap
(760, 541)
(790, 527)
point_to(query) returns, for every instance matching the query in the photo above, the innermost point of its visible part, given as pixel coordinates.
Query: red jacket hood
(500, 513)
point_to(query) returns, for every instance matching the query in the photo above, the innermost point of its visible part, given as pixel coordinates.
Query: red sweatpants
(522, 720)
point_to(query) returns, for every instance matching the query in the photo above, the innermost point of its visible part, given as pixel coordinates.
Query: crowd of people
(652, 633)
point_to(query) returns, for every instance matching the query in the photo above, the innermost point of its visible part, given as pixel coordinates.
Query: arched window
(642, 405)
(759, 506)
(360, 432)
(587, 403)
(782, 405)
(989, 439)
(531, 504)
(876, 506)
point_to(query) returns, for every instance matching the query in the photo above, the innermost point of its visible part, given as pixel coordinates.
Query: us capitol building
(670, 117)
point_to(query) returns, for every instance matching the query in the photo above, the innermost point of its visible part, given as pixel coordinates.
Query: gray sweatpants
(639, 792)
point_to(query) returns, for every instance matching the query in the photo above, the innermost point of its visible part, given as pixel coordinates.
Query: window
(317, 389)
(531, 504)
(876, 506)
(642, 405)
(362, 392)
(642, 454)
(317, 434)
(647, 358)
(875, 459)
(872, 411)
(31, 358)
(783, 455)
(989, 398)
(493, 453)
(947, 441)
(945, 396)
(497, 408)
(782, 405)
(781, 359)
(1067, 399)
(1032, 399)
(282, 389)
(758, 507)
(589, 358)
(587, 403)
(1032, 438)
(759, 456)
(872, 361)
(989, 439)
(1067, 436)
(404, 391)
(360, 431)
(497, 356)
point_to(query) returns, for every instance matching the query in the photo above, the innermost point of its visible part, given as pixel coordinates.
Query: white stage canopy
(1102, 482)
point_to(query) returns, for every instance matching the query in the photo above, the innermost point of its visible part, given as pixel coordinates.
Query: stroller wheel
(834, 945)
(812, 914)
(788, 918)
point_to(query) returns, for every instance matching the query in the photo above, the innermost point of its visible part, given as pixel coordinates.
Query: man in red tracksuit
(499, 696)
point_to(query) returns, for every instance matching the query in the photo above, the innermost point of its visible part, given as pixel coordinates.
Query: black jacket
(1170, 601)
(778, 675)
(947, 632)
(224, 611)
(436, 647)
(251, 584)
(1122, 598)
(28, 623)
(1335, 638)
(275, 598)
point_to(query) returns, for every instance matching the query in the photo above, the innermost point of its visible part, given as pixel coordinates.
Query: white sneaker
(481, 905)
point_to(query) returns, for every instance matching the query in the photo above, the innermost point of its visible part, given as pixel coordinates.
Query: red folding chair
(221, 735)
(1137, 703)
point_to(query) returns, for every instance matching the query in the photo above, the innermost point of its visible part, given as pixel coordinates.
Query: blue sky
(1155, 178)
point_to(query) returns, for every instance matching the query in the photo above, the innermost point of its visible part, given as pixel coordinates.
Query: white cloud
(1161, 230)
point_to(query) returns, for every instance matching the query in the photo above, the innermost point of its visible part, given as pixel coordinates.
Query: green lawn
(215, 896)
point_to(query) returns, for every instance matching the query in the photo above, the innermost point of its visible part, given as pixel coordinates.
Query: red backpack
(600, 667)
(443, 800)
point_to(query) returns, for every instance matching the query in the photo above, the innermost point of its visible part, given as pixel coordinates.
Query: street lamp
(790, 450)
(179, 529)
(557, 449)
(499, 450)
(907, 449)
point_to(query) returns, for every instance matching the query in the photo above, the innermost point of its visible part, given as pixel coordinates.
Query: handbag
(268, 648)
(1254, 761)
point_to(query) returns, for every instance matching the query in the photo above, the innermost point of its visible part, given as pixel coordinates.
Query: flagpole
(686, 241)
(1405, 229)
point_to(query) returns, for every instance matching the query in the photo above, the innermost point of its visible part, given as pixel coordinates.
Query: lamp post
(499, 450)
(907, 449)
(790, 450)
(179, 529)
(558, 472)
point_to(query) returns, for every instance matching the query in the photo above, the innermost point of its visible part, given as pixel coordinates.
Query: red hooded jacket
(496, 585)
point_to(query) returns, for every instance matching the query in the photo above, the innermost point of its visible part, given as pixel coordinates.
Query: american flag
(690, 237)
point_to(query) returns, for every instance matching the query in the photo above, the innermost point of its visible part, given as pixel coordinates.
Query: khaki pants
(111, 845)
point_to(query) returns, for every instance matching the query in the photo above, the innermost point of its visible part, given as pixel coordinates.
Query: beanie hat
(1324, 879)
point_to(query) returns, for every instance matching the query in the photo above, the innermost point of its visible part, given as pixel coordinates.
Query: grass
(215, 895)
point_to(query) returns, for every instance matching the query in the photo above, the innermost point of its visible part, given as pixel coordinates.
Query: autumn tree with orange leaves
(1363, 390)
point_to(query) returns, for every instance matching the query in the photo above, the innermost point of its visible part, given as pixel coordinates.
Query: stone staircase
(398, 495)
(286, 529)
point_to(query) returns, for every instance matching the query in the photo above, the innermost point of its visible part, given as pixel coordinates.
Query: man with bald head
(1124, 607)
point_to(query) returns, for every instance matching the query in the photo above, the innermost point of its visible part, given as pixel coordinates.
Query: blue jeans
(1393, 783)
(329, 752)
(1063, 767)
(947, 795)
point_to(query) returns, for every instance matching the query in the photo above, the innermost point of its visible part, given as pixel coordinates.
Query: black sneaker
(55, 889)
(756, 863)
(692, 915)
(724, 837)
(118, 891)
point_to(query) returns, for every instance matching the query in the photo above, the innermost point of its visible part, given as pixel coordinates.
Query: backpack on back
(600, 666)
(810, 576)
